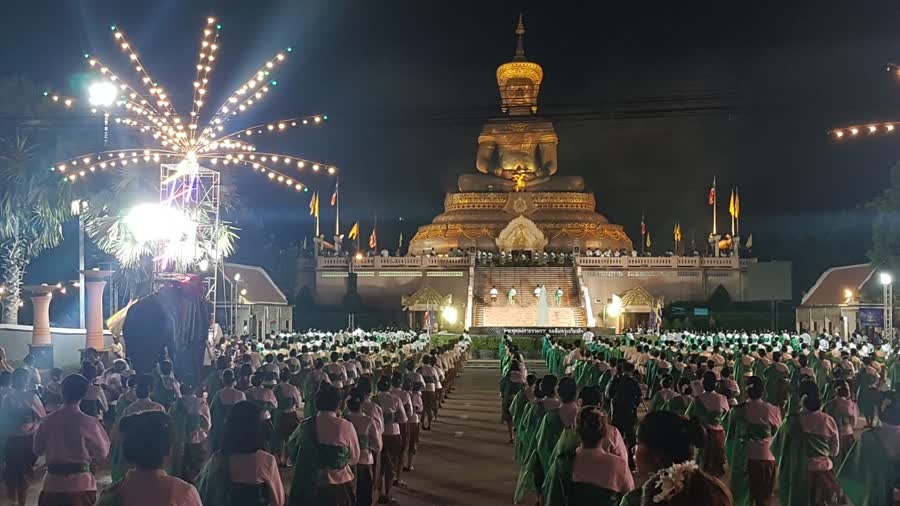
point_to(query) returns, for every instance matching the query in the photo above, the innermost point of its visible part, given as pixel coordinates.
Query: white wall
(67, 344)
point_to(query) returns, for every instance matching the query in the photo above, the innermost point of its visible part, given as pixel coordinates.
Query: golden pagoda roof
(520, 69)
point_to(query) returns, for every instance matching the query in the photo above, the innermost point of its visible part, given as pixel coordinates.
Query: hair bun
(694, 431)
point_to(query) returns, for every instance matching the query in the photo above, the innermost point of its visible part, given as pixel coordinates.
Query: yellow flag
(677, 232)
(648, 239)
(401, 241)
(737, 204)
(354, 232)
(749, 242)
(312, 204)
(316, 210)
(731, 209)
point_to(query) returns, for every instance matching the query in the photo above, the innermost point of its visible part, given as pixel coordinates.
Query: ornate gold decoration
(538, 200)
(519, 69)
(426, 296)
(637, 296)
(519, 179)
(521, 234)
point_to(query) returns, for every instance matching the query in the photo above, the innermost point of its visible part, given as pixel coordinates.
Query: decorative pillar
(41, 343)
(95, 282)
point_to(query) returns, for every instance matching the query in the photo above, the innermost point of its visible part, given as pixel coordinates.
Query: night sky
(649, 100)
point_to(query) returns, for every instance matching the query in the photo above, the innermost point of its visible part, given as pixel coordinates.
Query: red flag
(334, 195)
(712, 193)
(643, 226)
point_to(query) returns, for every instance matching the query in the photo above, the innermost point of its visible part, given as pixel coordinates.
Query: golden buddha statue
(516, 201)
(517, 152)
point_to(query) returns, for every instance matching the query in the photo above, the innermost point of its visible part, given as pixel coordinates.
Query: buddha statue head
(519, 81)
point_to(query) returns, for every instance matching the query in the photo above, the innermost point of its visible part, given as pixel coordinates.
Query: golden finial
(520, 32)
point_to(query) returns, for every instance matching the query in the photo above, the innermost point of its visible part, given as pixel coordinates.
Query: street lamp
(234, 302)
(888, 282)
(103, 94)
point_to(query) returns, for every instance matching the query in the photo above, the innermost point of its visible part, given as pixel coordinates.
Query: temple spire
(520, 47)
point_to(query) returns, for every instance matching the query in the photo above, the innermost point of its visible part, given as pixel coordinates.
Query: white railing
(662, 262)
(583, 261)
(395, 262)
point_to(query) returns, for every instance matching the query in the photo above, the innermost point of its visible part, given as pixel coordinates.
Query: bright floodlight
(885, 278)
(102, 93)
(237, 276)
(204, 265)
(450, 315)
(614, 309)
(155, 222)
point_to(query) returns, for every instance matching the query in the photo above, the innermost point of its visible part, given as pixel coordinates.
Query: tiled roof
(260, 287)
(829, 288)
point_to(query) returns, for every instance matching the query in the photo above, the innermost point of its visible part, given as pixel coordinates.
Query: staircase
(523, 312)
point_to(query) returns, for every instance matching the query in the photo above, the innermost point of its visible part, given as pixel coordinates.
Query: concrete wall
(384, 289)
(680, 285)
(67, 344)
(827, 319)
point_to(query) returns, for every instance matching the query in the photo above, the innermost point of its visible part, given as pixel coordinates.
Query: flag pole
(337, 207)
(643, 233)
(715, 199)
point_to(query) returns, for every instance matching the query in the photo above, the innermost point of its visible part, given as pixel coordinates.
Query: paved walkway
(465, 459)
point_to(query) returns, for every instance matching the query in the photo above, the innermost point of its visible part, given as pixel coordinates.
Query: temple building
(516, 201)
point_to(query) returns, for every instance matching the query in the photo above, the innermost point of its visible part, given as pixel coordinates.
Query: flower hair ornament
(672, 480)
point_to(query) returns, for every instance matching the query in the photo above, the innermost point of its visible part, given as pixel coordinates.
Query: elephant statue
(174, 319)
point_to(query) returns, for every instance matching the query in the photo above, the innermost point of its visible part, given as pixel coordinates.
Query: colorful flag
(648, 239)
(712, 192)
(749, 242)
(643, 226)
(373, 239)
(737, 204)
(677, 232)
(354, 231)
(731, 210)
(334, 195)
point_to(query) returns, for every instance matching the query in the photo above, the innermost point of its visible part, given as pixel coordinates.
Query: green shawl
(311, 457)
(698, 409)
(866, 394)
(868, 476)
(531, 421)
(678, 404)
(531, 475)
(792, 449)
(183, 424)
(658, 402)
(214, 481)
(518, 405)
(739, 432)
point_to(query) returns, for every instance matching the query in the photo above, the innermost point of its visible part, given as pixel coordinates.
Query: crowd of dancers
(714, 419)
(344, 410)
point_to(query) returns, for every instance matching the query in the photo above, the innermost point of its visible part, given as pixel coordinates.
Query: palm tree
(34, 204)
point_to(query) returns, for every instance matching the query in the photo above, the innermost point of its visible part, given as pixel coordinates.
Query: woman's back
(155, 487)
